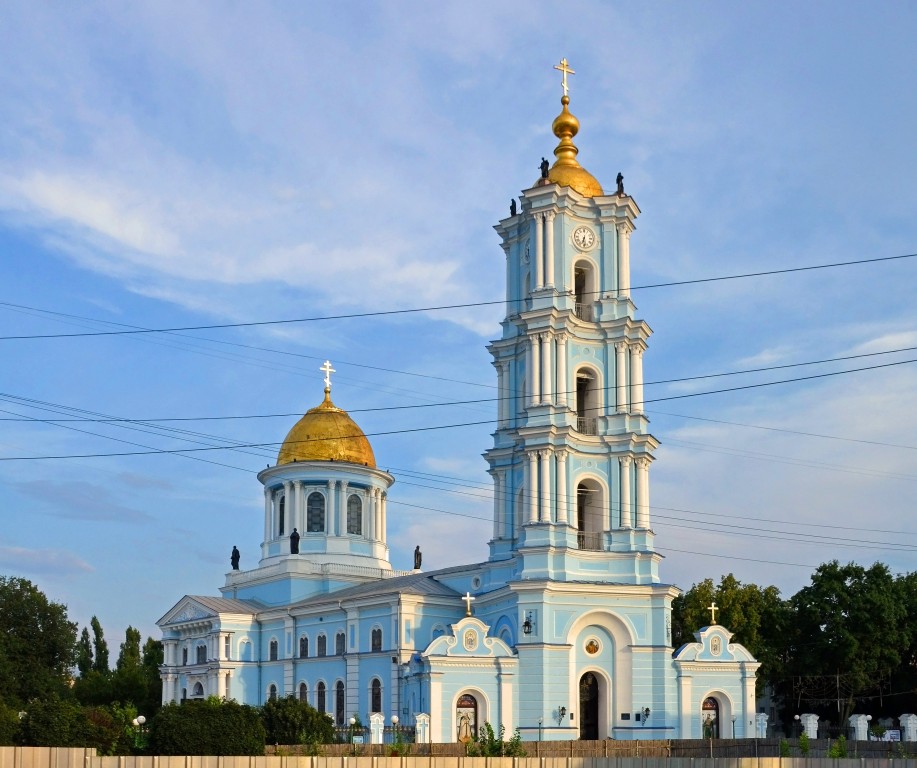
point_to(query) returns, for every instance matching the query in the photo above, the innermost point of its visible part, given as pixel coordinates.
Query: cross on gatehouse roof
(713, 609)
(467, 599)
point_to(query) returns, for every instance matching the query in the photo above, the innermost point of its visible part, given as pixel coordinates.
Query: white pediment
(713, 645)
(186, 609)
(469, 638)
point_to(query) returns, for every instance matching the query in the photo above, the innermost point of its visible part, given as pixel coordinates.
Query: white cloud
(43, 562)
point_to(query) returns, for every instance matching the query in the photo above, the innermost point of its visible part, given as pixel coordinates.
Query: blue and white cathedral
(565, 631)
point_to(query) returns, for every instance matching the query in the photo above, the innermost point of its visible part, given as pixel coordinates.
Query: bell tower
(572, 451)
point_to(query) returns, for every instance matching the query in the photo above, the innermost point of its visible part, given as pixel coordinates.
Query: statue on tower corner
(418, 557)
(545, 166)
(620, 182)
(512, 207)
(294, 542)
(234, 558)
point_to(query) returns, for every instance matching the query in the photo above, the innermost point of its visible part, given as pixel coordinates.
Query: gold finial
(565, 68)
(328, 370)
(566, 171)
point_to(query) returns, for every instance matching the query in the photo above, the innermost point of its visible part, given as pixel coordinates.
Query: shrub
(488, 744)
(784, 748)
(291, 721)
(207, 727)
(804, 744)
(838, 748)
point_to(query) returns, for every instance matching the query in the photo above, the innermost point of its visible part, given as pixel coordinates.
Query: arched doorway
(466, 718)
(710, 714)
(589, 707)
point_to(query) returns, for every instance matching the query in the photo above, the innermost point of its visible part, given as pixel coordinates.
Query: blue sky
(168, 165)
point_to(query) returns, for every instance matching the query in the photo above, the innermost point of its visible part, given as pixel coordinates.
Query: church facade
(565, 631)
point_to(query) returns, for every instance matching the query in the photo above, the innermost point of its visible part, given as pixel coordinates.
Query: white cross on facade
(565, 68)
(713, 609)
(467, 599)
(328, 371)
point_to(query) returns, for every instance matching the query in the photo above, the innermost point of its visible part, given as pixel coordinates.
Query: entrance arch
(589, 707)
(710, 714)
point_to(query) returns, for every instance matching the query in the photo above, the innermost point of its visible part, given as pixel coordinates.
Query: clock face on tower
(583, 238)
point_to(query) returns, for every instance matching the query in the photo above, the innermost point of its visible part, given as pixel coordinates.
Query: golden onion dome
(326, 433)
(566, 171)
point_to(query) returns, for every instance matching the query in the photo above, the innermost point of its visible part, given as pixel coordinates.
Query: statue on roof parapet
(545, 167)
(294, 542)
(418, 557)
(234, 558)
(620, 182)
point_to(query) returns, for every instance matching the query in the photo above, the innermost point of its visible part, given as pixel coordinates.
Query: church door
(711, 717)
(589, 707)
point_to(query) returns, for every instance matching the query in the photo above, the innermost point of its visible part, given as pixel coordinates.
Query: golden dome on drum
(566, 171)
(326, 433)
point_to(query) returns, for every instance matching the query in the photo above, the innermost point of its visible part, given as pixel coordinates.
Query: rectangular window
(202, 654)
(226, 646)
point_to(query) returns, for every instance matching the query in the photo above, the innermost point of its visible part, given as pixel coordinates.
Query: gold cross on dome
(713, 609)
(328, 371)
(467, 599)
(564, 67)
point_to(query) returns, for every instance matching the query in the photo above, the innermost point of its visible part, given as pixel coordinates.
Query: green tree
(37, 643)
(84, 653)
(100, 647)
(291, 721)
(9, 726)
(848, 636)
(129, 655)
(209, 727)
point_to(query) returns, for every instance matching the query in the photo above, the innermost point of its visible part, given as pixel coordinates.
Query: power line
(439, 308)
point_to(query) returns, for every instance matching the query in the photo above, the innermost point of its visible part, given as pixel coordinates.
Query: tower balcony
(587, 425)
(590, 540)
(583, 311)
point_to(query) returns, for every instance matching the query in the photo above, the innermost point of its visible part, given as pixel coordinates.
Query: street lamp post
(353, 746)
(138, 723)
(798, 726)
(395, 733)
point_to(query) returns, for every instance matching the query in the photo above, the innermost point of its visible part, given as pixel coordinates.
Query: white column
(561, 487)
(643, 492)
(620, 377)
(545, 487)
(268, 513)
(531, 487)
(636, 378)
(287, 508)
(330, 508)
(535, 369)
(383, 500)
(298, 504)
(371, 513)
(623, 261)
(539, 251)
(342, 509)
(511, 309)
(498, 504)
(625, 492)
(563, 387)
(549, 249)
(501, 398)
(547, 395)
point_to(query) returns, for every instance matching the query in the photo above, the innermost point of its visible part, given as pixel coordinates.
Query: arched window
(198, 691)
(339, 702)
(587, 402)
(376, 643)
(304, 647)
(184, 694)
(272, 652)
(201, 654)
(354, 515)
(303, 692)
(272, 693)
(315, 513)
(589, 515)
(320, 702)
(280, 514)
(184, 657)
(375, 696)
(584, 290)
(466, 717)
(321, 646)
(339, 647)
